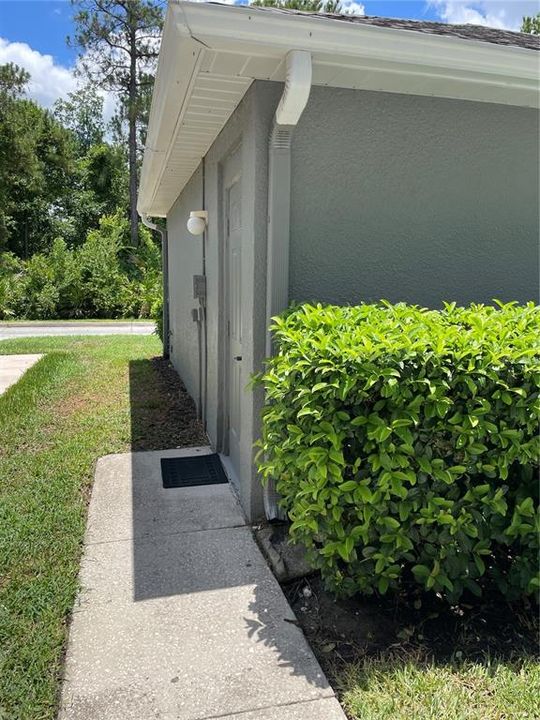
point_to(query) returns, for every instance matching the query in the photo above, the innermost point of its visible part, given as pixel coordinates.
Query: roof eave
(178, 60)
(192, 28)
(219, 25)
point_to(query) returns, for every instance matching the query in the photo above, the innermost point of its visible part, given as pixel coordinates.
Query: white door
(234, 317)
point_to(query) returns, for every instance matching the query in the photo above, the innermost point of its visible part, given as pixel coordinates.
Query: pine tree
(13, 81)
(82, 113)
(531, 25)
(313, 6)
(119, 40)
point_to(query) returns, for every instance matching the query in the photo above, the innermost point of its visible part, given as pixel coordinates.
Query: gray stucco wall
(185, 260)
(244, 131)
(398, 197)
(413, 198)
(239, 132)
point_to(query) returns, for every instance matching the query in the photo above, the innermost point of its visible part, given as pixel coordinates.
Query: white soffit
(211, 54)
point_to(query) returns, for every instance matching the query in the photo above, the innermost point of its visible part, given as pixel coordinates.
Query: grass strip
(68, 410)
(393, 687)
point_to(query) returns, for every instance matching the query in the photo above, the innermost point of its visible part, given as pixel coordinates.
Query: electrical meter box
(199, 287)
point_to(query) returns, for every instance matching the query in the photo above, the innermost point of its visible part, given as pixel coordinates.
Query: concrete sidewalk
(13, 367)
(11, 330)
(179, 617)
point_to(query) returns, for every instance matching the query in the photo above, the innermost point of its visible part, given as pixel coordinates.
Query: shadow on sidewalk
(191, 543)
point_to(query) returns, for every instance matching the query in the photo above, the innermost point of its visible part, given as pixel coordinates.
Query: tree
(119, 121)
(13, 81)
(101, 188)
(531, 25)
(120, 40)
(82, 113)
(104, 173)
(15, 148)
(37, 167)
(313, 6)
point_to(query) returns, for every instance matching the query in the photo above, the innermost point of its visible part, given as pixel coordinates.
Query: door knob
(237, 357)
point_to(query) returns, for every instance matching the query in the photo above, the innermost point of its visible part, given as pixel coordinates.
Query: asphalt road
(18, 330)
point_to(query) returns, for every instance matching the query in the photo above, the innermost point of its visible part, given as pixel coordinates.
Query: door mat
(192, 471)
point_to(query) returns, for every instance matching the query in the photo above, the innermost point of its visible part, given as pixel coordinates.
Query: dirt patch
(339, 628)
(163, 414)
(73, 404)
(345, 631)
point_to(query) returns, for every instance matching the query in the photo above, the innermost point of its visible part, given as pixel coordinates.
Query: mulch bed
(163, 414)
(343, 631)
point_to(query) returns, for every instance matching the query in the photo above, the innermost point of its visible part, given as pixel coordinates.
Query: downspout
(291, 106)
(165, 268)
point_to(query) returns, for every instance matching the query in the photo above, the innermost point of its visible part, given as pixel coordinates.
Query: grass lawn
(412, 687)
(86, 398)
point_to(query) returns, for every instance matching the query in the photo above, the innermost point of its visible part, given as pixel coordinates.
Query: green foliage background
(531, 24)
(66, 249)
(103, 278)
(404, 443)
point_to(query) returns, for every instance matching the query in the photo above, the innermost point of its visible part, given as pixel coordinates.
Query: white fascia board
(223, 27)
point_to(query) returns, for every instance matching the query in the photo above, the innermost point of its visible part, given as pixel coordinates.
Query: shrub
(39, 295)
(143, 267)
(404, 444)
(66, 277)
(157, 316)
(106, 287)
(104, 277)
(11, 290)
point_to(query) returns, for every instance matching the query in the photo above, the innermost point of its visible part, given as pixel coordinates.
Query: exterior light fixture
(197, 222)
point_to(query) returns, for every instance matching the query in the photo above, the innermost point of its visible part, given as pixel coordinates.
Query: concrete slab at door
(13, 367)
(129, 500)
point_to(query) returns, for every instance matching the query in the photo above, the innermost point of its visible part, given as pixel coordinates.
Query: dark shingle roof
(466, 32)
(478, 33)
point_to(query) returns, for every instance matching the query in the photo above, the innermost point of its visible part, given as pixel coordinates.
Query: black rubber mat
(192, 471)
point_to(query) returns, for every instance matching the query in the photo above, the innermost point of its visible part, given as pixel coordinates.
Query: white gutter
(178, 62)
(288, 113)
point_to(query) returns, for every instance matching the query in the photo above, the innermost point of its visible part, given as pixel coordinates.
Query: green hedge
(404, 444)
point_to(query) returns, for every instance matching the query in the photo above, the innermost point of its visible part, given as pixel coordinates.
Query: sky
(33, 32)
